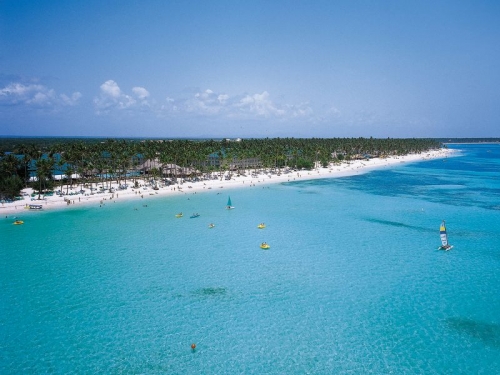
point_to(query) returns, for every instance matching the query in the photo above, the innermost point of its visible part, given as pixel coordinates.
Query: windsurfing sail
(443, 235)
(229, 204)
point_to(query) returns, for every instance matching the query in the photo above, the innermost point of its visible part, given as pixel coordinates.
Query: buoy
(193, 346)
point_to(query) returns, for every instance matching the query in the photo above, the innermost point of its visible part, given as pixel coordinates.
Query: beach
(248, 179)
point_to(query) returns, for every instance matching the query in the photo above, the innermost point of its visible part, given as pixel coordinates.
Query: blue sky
(250, 68)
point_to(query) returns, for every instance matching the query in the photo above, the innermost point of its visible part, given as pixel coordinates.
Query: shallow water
(353, 282)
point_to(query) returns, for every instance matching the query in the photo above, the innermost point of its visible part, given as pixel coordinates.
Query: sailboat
(229, 204)
(444, 238)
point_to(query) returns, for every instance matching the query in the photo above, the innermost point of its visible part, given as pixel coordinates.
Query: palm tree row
(122, 160)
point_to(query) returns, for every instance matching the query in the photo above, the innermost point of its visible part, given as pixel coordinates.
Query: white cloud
(202, 103)
(20, 91)
(36, 95)
(247, 106)
(140, 92)
(260, 105)
(75, 97)
(208, 103)
(302, 110)
(42, 98)
(222, 98)
(110, 88)
(112, 97)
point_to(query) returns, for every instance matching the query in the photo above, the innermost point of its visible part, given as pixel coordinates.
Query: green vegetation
(102, 161)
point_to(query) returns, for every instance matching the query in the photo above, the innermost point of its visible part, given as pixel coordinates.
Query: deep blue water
(353, 282)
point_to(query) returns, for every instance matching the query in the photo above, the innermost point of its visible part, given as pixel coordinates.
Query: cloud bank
(112, 98)
(200, 104)
(36, 96)
(245, 106)
(110, 103)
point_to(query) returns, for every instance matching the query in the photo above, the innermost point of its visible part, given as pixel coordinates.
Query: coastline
(344, 169)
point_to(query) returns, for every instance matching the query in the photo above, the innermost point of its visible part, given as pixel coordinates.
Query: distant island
(469, 140)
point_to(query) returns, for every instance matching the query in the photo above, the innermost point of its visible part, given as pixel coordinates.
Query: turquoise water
(352, 284)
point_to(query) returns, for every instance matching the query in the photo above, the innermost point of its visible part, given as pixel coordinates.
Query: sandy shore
(248, 180)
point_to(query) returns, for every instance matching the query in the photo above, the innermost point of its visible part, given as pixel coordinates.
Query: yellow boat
(18, 222)
(261, 226)
(179, 214)
(264, 246)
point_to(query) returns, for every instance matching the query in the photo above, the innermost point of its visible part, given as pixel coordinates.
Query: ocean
(353, 282)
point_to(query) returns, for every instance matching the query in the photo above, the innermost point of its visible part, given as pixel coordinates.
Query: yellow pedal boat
(265, 246)
(261, 226)
(18, 222)
(179, 215)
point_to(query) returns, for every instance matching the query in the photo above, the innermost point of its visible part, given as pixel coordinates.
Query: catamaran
(444, 238)
(229, 204)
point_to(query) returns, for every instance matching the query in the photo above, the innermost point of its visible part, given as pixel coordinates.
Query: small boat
(444, 238)
(179, 214)
(194, 215)
(34, 206)
(229, 204)
(18, 222)
(265, 246)
(261, 226)
(211, 225)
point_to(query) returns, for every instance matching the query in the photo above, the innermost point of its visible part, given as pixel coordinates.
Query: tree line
(119, 159)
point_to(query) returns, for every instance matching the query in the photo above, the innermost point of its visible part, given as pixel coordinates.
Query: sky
(260, 68)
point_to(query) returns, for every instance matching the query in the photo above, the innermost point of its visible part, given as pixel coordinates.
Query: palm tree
(44, 166)
(30, 153)
(10, 182)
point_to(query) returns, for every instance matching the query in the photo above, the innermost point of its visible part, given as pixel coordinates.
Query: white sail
(443, 235)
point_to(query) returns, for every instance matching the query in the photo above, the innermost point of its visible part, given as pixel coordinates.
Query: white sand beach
(246, 180)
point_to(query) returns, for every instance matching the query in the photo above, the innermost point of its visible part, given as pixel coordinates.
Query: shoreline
(344, 169)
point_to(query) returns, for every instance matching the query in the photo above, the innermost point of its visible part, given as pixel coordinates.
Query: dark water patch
(210, 292)
(488, 333)
(308, 192)
(401, 225)
(453, 191)
(389, 183)
(452, 233)
(309, 183)
(490, 191)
